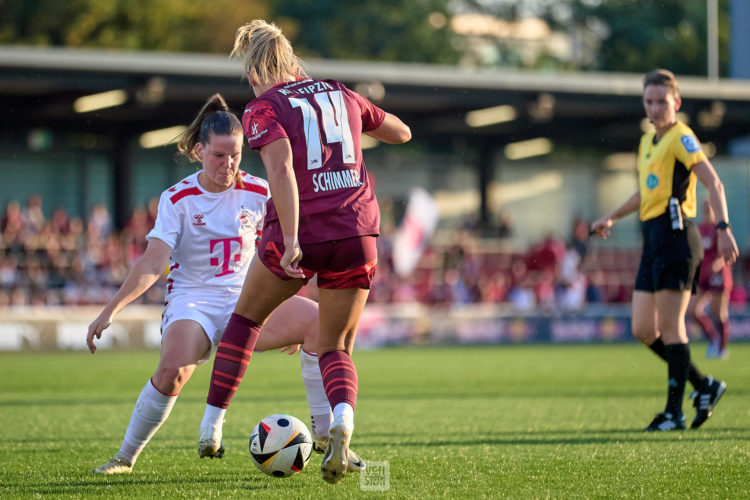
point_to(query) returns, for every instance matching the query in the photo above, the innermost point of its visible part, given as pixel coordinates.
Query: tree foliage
(170, 25)
(608, 35)
(641, 35)
(390, 30)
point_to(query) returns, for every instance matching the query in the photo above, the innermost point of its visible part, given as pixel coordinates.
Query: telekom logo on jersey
(226, 254)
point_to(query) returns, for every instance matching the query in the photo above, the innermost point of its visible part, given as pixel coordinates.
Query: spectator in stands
(134, 233)
(505, 225)
(60, 223)
(99, 225)
(579, 239)
(13, 227)
(546, 255)
(595, 287)
(494, 287)
(33, 215)
(19, 297)
(738, 296)
(73, 240)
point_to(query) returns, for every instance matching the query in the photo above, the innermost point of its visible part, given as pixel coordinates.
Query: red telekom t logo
(227, 242)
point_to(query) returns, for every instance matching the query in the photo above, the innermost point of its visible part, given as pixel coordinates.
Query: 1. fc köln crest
(247, 217)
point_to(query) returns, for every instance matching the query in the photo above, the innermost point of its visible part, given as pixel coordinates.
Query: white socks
(345, 411)
(151, 410)
(320, 408)
(213, 419)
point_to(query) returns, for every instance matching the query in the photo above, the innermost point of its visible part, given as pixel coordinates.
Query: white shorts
(210, 310)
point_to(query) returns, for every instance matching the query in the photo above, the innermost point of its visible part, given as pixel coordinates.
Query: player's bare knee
(170, 377)
(644, 334)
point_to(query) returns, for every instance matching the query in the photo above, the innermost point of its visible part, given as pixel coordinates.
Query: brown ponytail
(213, 118)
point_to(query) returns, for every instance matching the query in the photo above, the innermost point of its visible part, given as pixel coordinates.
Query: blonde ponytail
(266, 54)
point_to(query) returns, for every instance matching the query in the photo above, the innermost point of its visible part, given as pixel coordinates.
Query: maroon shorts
(715, 282)
(348, 263)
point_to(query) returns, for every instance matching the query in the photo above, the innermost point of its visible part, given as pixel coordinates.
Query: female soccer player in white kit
(206, 228)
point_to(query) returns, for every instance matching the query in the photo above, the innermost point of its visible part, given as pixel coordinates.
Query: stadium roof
(38, 87)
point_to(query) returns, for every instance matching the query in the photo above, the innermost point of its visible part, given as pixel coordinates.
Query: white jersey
(212, 235)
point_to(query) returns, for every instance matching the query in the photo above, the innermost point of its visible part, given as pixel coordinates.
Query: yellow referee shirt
(664, 170)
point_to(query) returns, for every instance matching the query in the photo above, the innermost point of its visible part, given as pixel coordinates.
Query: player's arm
(391, 131)
(144, 273)
(601, 226)
(726, 245)
(277, 158)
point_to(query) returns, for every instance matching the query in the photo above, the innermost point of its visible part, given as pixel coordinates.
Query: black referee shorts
(671, 259)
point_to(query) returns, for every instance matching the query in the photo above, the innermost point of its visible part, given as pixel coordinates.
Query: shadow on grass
(573, 437)
(130, 400)
(108, 484)
(508, 437)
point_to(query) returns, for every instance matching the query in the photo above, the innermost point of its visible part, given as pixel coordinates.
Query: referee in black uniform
(670, 162)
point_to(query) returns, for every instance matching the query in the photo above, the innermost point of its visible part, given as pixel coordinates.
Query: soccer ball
(280, 445)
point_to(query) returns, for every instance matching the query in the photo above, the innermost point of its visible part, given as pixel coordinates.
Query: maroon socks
(339, 378)
(232, 356)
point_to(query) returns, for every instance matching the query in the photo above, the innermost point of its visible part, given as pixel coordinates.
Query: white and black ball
(280, 445)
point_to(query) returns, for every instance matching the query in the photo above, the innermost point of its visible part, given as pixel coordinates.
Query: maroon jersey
(707, 278)
(323, 121)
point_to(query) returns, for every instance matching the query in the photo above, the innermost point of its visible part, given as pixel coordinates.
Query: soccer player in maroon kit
(714, 286)
(322, 220)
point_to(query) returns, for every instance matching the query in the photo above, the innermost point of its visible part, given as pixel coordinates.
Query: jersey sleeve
(167, 225)
(372, 116)
(261, 125)
(688, 150)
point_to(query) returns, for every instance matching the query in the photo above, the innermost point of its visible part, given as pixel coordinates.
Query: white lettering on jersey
(312, 132)
(335, 125)
(335, 116)
(341, 179)
(310, 89)
(256, 135)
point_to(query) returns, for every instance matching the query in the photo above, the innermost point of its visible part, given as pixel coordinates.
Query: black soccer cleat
(666, 422)
(706, 399)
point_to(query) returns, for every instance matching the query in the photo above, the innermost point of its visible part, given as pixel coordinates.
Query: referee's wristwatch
(722, 225)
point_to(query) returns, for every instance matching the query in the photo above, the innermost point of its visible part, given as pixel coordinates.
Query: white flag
(415, 231)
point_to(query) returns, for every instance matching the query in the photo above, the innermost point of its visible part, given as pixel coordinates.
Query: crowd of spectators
(63, 260)
(68, 260)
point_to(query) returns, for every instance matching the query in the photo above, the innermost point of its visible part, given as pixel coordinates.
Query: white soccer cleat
(356, 464)
(336, 458)
(115, 465)
(210, 444)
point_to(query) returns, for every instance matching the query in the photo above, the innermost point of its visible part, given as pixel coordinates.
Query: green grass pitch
(463, 422)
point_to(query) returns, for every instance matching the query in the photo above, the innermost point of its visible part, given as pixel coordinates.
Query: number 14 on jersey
(335, 121)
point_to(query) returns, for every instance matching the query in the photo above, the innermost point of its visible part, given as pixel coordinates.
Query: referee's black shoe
(666, 422)
(706, 399)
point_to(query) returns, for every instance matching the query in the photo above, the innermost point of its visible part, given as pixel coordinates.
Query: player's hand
(601, 227)
(291, 259)
(96, 328)
(717, 265)
(727, 246)
(291, 349)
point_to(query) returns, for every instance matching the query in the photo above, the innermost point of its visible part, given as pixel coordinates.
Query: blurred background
(526, 117)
